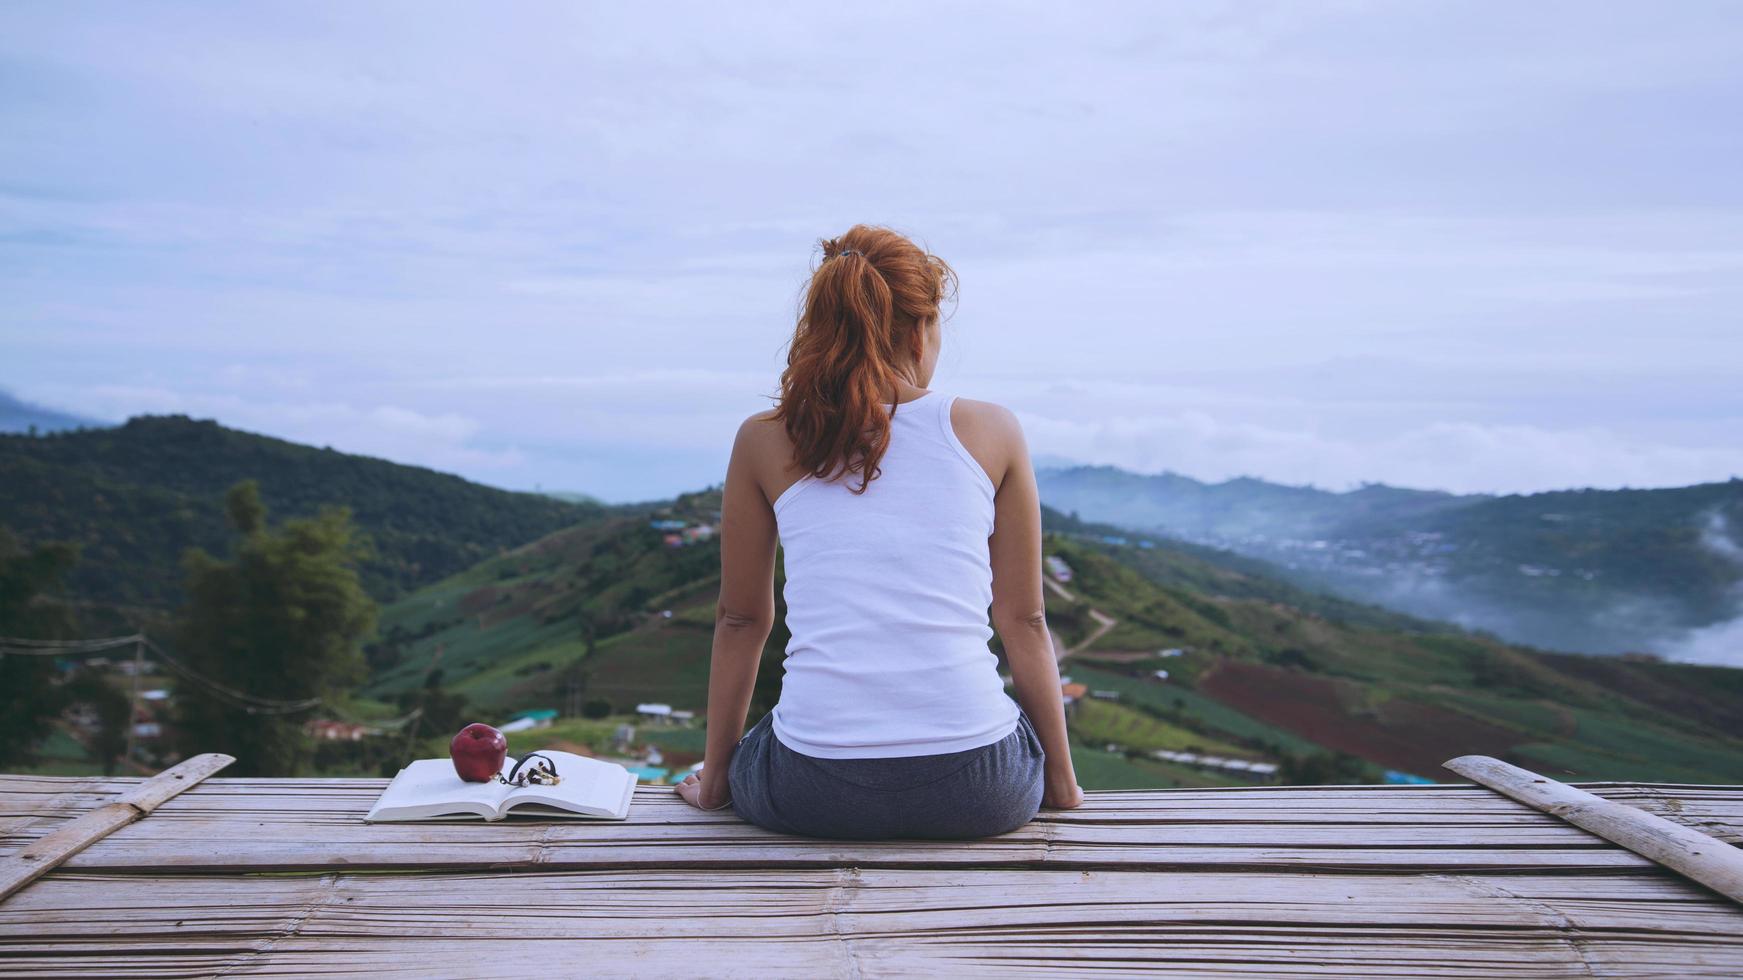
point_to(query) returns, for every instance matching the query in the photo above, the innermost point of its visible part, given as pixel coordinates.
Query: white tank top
(887, 596)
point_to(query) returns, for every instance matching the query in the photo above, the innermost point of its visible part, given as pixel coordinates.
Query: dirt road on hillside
(1103, 621)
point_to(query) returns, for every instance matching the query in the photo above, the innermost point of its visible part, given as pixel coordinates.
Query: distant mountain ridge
(1602, 571)
(1234, 508)
(134, 496)
(22, 416)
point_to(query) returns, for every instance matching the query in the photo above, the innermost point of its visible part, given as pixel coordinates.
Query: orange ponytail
(859, 325)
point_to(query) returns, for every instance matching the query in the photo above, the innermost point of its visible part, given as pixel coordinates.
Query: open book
(429, 789)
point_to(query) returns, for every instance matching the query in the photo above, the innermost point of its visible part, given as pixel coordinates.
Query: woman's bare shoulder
(990, 420)
(991, 433)
(764, 448)
(762, 426)
(763, 440)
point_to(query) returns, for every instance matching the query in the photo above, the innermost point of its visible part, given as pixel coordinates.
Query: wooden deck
(247, 877)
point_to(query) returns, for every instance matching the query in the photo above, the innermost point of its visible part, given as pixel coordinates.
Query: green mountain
(1602, 571)
(1328, 689)
(573, 497)
(1234, 509)
(134, 497)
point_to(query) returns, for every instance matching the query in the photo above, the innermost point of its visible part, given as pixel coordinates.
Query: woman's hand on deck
(1062, 795)
(701, 792)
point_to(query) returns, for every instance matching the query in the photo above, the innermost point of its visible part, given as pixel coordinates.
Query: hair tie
(850, 251)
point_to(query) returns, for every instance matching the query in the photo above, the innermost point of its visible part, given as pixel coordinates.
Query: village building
(540, 717)
(329, 730)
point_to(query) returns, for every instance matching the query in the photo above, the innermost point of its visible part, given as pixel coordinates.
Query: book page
(588, 785)
(430, 783)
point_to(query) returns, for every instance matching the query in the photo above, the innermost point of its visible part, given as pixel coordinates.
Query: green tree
(30, 609)
(283, 619)
(113, 710)
(1320, 768)
(440, 711)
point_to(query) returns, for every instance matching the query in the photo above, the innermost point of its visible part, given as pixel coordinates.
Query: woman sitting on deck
(892, 720)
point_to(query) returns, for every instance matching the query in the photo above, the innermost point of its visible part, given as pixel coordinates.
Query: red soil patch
(1414, 736)
(493, 605)
(479, 599)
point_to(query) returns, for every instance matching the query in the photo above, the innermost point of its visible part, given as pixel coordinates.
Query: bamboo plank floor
(252, 877)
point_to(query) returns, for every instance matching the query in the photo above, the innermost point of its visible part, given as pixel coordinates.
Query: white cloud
(1460, 457)
(444, 441)
(564, 246)
(1720, 644)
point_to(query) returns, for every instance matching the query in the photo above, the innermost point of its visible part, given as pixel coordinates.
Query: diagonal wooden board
(38, 857)
(1682, 849)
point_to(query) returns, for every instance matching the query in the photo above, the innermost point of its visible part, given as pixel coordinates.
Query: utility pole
(133, 708)
(417, 721)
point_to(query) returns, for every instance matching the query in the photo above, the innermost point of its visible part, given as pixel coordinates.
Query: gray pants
(954, 796)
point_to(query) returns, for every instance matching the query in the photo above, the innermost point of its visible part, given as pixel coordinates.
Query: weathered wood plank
(485, 854)
(25, 792)
(279, 841)
(29, 809)
(840, 922)
(310, 824)
(36, 858)
(315, 800)
(1683, 849)
(1423, 881)
(1719, 815)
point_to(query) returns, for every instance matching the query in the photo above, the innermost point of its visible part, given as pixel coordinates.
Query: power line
(251, 703)
(64, 648)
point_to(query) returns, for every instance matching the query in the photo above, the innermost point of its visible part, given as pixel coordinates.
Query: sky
(1480, 247)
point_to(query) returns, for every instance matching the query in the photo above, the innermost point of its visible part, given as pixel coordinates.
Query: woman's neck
(905, 393)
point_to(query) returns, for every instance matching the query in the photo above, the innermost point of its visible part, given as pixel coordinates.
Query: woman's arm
(1019, 611)
(743, 617)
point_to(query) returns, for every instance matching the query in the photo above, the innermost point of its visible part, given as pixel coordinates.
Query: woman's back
(892, 720)
(887, 595)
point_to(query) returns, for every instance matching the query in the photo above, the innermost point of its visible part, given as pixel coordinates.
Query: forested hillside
(135, 496)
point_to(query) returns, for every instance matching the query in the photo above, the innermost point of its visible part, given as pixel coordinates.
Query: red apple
(478, 752)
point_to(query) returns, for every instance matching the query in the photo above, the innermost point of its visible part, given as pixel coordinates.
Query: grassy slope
(505, 631)
(1262, 678)
(1580, 717)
